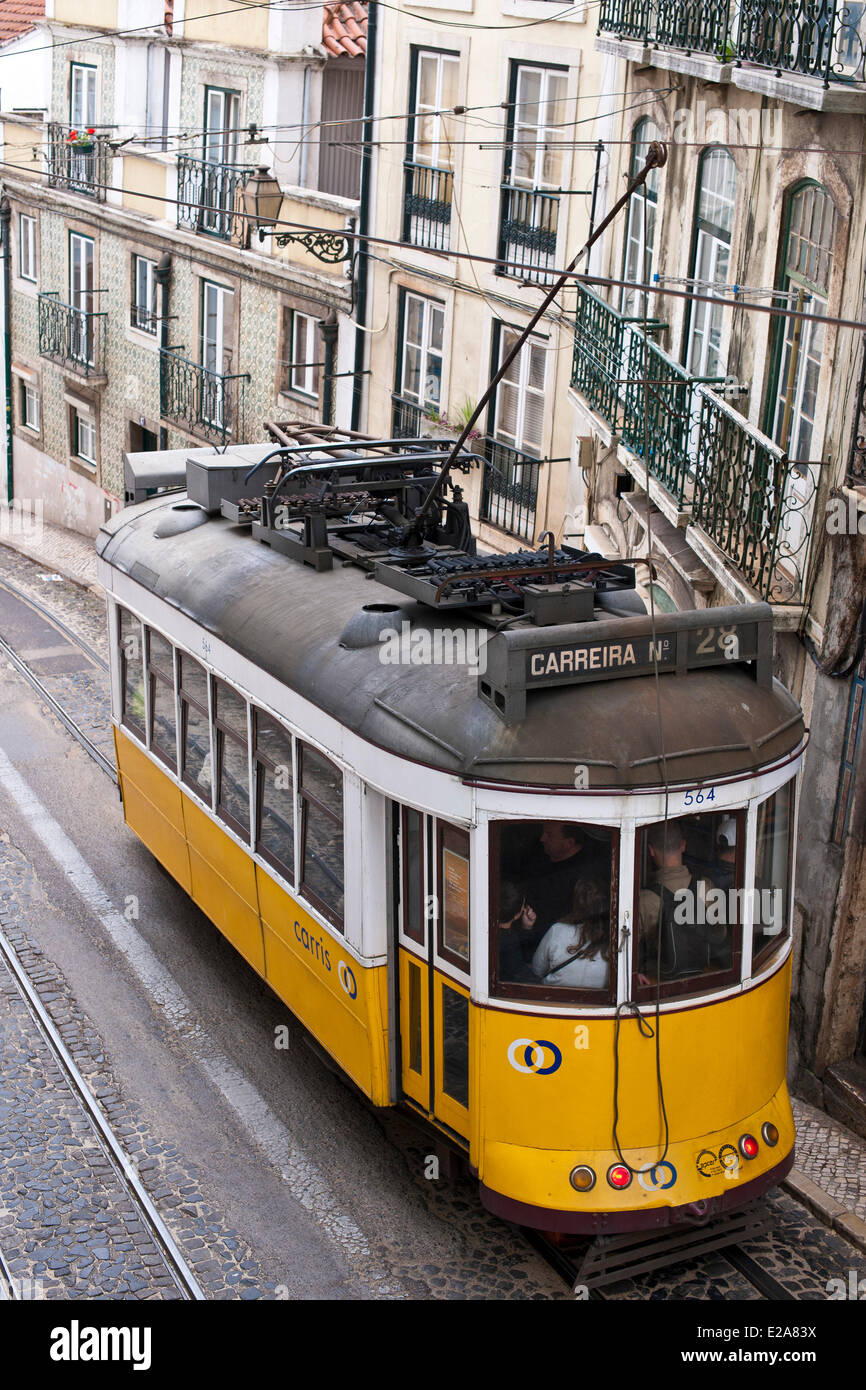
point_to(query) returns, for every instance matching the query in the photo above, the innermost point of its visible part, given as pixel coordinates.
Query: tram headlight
(582, 1178)
(769, 1134)
(748, 1146)
(619, 1176)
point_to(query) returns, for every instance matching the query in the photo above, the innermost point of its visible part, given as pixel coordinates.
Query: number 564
(697, 798)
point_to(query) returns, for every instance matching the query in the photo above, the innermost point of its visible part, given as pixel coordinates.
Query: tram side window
(195, 727)
(454, 895)
(413, 875)
(233, 777)
(773, 852)
(320, 793)
(552, 910)
(131, 672)
(689, 904)
(160, 670)
(275, 806)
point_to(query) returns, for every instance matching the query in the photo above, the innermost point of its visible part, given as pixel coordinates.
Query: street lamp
(262, 202)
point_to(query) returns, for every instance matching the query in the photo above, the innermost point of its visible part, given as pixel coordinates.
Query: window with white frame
(420, 358)
(519, 413)
(82, 96)
(143, 308)
(305, 346)
(30, 406)
(83, 436)
(641, 228)
(27, 247)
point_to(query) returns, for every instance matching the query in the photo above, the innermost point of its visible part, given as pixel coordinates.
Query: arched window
(711, 256)
(640, 232)
(806, 266)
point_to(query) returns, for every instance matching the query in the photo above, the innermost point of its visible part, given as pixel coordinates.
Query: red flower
(72, 134)
(91, 131)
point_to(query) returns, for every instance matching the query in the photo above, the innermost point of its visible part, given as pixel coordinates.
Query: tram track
(120, 1163)
(568, 1266)
(8, 1284)
(37, 683)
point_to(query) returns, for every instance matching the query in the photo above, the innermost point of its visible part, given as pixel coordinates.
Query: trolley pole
(656, 157)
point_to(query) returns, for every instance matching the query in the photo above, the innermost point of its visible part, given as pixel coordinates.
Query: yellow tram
(517, 853)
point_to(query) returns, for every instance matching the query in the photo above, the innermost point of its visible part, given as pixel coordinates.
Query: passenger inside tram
(575, 952)
(687, 918)
(540, 866)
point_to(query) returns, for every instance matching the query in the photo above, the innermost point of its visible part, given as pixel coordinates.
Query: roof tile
(344, 28)
(19, 16)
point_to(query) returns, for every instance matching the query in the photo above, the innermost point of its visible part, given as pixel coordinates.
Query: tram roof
(288, 620)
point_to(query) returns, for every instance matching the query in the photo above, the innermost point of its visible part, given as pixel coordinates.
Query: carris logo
(540, 1056)
(347, 980)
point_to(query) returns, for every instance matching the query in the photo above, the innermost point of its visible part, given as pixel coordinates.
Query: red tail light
(618, 1175)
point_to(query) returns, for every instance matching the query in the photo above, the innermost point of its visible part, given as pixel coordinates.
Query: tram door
(431, 868)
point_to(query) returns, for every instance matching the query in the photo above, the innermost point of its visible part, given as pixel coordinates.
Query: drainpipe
(6, 239)
(163, 277)
(329, 339)
(361, 257)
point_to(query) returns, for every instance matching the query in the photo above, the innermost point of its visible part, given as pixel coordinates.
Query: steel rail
(56, 708)
(123, 1166)
(55, 622)
(8, 1284)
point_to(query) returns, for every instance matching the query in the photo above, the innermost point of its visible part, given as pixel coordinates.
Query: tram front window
(690, 904)
(551, 912)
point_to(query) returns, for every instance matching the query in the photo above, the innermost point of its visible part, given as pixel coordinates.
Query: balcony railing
(81, 168)
(209, 196)
(527, 233)
(660, 420)
(203, 402)
(71, 336)
(406, 418)
(427, 206)
(597, 370)
(815, 38)
(752, 501)
(509, 494)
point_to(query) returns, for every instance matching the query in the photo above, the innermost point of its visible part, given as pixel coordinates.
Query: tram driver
(677, 935)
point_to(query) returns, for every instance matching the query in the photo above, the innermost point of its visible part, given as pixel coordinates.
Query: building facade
(481, 160)
(717, 426)
(145, 311)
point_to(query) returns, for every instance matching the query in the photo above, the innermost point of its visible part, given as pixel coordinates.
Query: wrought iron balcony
(598, 366)
(83, 168)
(406, 418)
(509, 494)
(527, 233)
(71, 336)
(201, 401)
(815, 38)
(660, 420)
(427, 206)
(752, 501)
(209, 197)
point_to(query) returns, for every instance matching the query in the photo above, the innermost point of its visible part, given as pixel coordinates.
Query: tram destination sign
(524, 659)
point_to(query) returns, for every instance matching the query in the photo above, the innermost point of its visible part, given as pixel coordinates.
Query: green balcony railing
(815, 38)
(427, 205)
(201, 401)
(597, 369)
(209, 196)
(752, 501)
(71, 336)
(661, 415)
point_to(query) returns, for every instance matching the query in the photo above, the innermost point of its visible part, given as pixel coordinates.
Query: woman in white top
(574, 953)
